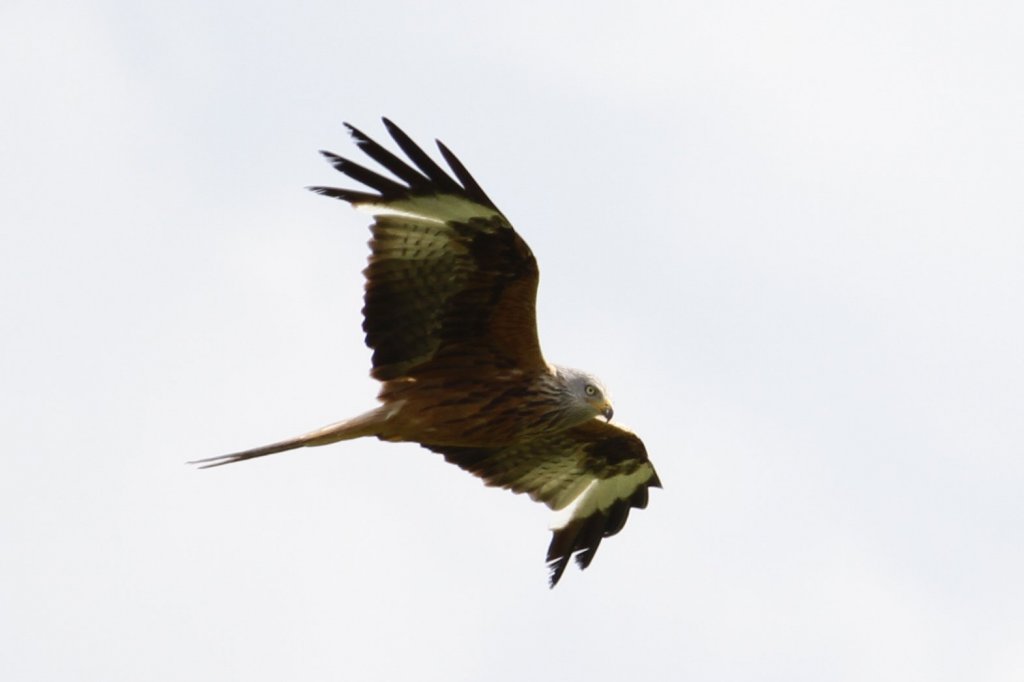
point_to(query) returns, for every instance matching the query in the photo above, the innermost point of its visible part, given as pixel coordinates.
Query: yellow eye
(590, 390)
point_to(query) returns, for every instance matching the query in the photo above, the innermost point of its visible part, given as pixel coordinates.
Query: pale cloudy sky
(787, 235)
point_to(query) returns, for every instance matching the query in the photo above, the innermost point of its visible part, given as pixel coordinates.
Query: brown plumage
(449, 313)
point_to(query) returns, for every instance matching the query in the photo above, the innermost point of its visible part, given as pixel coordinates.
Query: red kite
(449, 314)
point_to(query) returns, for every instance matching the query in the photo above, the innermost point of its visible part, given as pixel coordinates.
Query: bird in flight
(449, 314)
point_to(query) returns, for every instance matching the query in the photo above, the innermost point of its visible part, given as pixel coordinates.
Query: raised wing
(592, 475)
(449, 281)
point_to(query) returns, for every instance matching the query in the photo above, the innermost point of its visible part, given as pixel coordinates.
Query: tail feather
(368, 424)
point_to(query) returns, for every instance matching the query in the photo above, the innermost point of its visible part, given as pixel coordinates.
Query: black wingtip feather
(617, 517)
(422, 161)
(424, 176)
(351, 196)
(356, 133)
(386, 186)
(473, 189)
(589, 539)
(560, 551)
(581, 538)
(400, 168)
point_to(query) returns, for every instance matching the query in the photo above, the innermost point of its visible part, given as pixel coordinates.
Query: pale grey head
(584, 395)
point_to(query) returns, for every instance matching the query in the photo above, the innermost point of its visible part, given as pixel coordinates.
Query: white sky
(787, 235)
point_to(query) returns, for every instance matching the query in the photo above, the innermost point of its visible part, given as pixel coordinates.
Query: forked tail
(367, 424)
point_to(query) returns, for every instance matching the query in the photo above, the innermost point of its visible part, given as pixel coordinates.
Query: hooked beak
(607, 413)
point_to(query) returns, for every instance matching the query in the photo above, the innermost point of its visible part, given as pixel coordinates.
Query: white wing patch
(599, 495)
(437, 208)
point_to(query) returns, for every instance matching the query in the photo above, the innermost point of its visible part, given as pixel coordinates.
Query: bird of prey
(449, 314)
